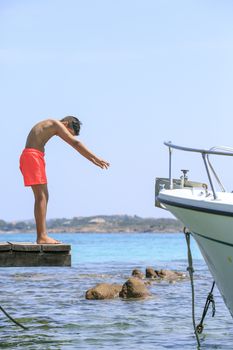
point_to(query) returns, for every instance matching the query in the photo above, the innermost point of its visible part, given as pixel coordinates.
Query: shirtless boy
(32, 164)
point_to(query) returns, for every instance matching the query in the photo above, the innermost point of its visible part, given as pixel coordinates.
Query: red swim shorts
(32, 166)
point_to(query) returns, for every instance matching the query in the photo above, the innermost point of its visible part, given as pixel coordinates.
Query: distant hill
(98, 223)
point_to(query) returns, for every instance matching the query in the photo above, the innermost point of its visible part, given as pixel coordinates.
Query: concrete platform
(16, 254)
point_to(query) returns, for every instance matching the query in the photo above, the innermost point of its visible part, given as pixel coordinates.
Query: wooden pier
(17, 254)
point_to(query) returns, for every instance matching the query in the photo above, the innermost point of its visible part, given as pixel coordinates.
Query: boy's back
(41, 133)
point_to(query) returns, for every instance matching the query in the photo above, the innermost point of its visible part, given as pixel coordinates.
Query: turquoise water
(51, 301)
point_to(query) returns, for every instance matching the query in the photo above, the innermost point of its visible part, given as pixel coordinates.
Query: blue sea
(51, 301)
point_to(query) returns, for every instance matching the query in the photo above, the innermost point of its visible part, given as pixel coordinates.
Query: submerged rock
(138, 273)
(151, 273)
(134, 288)
(104, 291)
(170, 275)
(167, 275)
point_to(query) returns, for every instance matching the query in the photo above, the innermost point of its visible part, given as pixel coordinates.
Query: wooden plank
(4, 246)
(19, 259)
(34, 247)
(19, 254)
(55, 247)
(25, 247)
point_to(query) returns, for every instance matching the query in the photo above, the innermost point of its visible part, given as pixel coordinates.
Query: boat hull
(214, 236)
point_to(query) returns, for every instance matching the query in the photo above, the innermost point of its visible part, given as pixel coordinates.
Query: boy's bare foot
(47, 240)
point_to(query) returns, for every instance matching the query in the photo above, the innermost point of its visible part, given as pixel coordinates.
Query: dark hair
(73, 123)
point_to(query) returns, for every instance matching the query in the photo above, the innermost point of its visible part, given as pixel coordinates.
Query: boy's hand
(101, 163)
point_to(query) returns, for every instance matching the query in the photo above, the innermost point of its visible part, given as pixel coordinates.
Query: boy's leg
(40, 209)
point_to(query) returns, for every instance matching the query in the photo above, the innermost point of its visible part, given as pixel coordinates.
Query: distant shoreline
(98, 224)
(92, 232)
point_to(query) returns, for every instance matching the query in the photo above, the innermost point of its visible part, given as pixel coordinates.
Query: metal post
(209, 177)
(170, 168)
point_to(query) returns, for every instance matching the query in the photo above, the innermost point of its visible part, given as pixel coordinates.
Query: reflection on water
(51, 301)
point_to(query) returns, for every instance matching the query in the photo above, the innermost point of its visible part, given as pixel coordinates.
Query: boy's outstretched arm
(85, 152)
(80, 147)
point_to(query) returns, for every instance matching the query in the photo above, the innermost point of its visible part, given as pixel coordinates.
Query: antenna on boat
(170, 166)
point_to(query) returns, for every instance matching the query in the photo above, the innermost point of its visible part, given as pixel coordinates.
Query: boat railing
(217, 150)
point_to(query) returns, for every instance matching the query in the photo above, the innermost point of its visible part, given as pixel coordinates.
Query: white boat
(207, 213)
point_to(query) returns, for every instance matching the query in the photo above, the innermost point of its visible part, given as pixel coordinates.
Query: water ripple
(51, 302)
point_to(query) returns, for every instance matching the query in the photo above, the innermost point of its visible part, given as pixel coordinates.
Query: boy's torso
(40, 134)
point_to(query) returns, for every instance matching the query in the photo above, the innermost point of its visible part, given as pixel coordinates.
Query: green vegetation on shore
(100, 223)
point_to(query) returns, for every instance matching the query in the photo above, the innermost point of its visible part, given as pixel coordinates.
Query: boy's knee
(41, 197)
(40, 193)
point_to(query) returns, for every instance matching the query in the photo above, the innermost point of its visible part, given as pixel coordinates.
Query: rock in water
(138, 273)
(104, 291)
(151, 273)
(134, 288)
(171, 276)
(167, 275)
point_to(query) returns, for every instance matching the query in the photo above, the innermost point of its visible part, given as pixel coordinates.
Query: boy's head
(72, 123)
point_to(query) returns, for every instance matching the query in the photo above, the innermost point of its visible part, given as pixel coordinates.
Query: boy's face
(69, 129)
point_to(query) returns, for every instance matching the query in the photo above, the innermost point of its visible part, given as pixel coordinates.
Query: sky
(137, 73)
